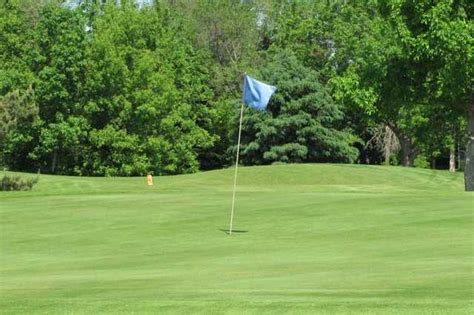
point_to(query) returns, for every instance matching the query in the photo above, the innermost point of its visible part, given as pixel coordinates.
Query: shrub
(421, 161)
(10, 183)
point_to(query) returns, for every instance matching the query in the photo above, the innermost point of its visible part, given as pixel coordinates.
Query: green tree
(18, 120)
(148, 85)
(16, 44)
(394, 60)
(305, 28)
(437, 40)
(302, 123)
(60, 66)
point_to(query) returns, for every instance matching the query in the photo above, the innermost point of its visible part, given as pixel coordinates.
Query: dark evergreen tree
(302, 124)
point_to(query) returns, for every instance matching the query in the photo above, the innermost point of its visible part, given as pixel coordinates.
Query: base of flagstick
(227, 231)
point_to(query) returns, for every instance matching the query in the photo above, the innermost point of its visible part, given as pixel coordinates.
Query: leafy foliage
(12, 183)
(121, 88)
(18, 118)
(302, 124)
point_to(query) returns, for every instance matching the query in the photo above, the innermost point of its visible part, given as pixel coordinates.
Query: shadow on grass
(233, 231)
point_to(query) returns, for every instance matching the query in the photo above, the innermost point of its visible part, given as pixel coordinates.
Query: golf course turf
(314, 238)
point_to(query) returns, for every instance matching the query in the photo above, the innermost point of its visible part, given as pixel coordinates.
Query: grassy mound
(317, 238)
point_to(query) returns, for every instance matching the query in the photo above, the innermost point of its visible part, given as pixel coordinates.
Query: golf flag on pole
(257, 94)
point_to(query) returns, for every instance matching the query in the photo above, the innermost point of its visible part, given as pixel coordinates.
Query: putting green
(315, 239)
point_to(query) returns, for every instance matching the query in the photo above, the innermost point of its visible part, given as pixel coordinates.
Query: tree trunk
(452, 159)
(433, 163)
(387, 155)
(459, 157)
(469, 169)
(408, 151)
(55, 157)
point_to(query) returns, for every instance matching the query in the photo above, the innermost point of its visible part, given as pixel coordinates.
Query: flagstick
(236, 167)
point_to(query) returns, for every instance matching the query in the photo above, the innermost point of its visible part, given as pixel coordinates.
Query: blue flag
(256, 93)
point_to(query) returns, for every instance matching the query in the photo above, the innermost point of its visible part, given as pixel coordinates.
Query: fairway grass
(317, 238)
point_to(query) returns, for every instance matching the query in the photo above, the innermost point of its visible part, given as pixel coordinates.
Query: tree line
(126, 88)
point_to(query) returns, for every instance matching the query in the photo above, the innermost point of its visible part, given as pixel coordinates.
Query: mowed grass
(319, 239)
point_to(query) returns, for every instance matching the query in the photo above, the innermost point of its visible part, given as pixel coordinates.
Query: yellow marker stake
(149, 180)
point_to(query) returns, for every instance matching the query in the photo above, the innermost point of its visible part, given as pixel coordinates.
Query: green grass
(321, 239)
